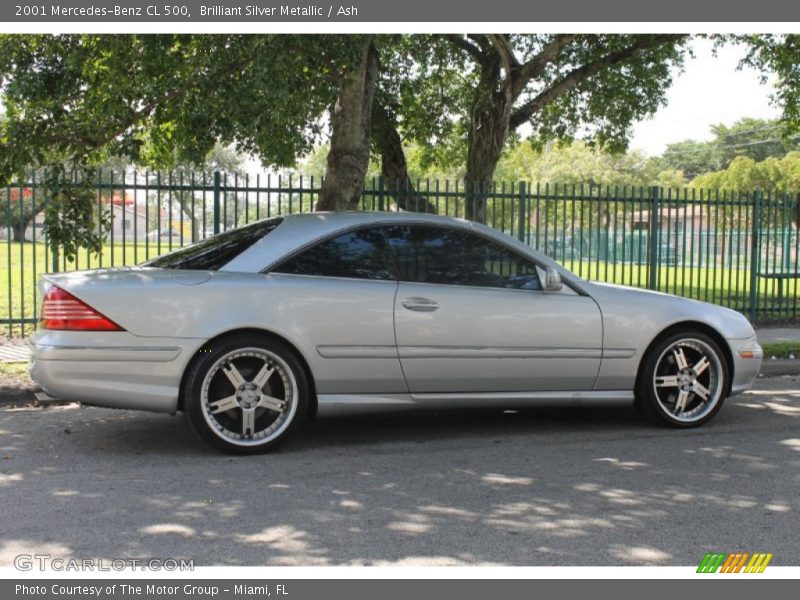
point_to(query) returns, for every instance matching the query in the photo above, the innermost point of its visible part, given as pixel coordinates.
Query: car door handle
(420, 304)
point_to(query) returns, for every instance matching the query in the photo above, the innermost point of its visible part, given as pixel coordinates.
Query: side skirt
(329, 405)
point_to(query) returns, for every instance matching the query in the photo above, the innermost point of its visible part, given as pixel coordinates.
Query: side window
(361, 254)
(214, 252)
(427, 254)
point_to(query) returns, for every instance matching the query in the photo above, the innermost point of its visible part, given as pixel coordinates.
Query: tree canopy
(463, 97)
(744, 173)
(170, 96)
(161, 99)
(463, 100)
(758, 139)
(579, 163)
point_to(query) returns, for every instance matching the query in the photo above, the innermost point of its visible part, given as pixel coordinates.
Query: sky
(709, 91)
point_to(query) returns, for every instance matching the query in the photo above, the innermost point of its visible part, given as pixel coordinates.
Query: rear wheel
(683, 380)
(247, 395)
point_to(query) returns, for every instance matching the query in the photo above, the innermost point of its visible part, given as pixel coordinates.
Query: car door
(471, 316)
(342, 293)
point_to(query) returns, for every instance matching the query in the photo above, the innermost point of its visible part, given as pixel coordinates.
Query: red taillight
(62, 310)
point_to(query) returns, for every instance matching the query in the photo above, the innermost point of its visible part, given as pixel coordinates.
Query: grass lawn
(14, 374)
(22, 264)
(716, 284)
(781, 350)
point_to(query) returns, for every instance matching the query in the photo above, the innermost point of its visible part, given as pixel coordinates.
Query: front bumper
(113, 369)
(747, 356)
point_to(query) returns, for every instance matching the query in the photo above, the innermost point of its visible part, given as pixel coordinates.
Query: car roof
(355, 217)
(302, 229)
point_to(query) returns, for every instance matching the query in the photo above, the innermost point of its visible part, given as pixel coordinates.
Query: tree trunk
(18, 230)
(348, 157)
(393, 163)
(490, 116)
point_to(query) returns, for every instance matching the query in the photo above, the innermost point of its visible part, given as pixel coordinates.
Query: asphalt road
(544, 487)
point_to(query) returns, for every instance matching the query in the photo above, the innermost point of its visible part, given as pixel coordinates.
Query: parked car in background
(165, 234)
(253, 330)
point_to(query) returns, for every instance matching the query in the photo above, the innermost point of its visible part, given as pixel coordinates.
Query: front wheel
(683, 380)
(246, 395)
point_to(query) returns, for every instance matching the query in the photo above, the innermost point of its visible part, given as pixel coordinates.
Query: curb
(18, 395)
(779, 367)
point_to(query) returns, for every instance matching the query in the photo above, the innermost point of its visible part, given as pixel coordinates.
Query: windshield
(215, 252)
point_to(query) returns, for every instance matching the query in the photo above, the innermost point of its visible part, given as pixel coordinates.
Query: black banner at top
(474, 11)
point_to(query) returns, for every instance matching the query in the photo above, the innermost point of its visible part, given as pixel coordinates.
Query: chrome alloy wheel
(688, 380)
(249, 396)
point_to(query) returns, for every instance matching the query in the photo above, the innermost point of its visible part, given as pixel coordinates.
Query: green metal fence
(737, 249)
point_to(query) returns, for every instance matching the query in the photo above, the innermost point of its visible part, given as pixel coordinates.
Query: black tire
(209, 381)
(653, 397)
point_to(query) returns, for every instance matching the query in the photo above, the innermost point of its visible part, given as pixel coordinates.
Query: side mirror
(552, 280)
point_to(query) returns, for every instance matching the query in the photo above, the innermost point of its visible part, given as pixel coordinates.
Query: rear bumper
(118, 369)
(745, 370)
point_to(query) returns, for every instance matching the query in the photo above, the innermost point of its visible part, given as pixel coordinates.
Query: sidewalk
(13, 352)
(16, 388)
(771, 335)
(778, 367)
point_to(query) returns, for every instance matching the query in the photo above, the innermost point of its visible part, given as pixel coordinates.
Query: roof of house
(687, 211)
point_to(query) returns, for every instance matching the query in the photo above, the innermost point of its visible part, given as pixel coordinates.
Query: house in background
(128, 223)
(37, 225)
(131, 221)
(175, 224)
(16, 206)
(693, 216)
(128, 217)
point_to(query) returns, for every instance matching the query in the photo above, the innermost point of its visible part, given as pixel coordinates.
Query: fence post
(53, 246)
(381, 188)
(755, 253)
(217, 190)
(652, 280)
(523, 212)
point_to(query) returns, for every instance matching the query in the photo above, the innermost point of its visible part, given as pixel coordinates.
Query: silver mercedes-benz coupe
(252, 331)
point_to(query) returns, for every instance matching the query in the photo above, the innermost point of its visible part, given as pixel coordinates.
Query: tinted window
(217, 251)
(453, 256)
(361, 254)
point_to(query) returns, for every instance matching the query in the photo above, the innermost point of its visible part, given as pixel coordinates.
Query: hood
(660, 310)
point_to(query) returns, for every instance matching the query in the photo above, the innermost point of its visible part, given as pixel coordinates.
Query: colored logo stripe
(758, 563)
(711, 562)
(733, 563)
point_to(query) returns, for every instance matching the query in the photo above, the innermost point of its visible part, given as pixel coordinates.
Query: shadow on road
(546, 486)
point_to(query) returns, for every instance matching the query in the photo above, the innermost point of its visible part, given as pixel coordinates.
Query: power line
(758, 142)
(711, 146)
(765, 128)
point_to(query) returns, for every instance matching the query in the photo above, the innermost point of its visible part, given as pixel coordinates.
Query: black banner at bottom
(392, 589)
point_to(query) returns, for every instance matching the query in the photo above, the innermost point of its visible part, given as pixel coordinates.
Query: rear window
(215, 252)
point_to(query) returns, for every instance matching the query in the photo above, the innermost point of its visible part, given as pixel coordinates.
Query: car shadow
(129, 432)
